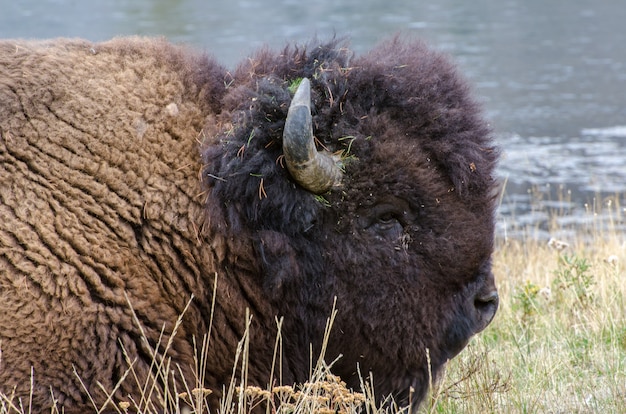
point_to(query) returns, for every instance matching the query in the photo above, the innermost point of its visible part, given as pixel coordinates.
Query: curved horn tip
(315, 171)
(303, 94)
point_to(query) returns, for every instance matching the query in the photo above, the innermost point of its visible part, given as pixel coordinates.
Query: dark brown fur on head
(404, 244)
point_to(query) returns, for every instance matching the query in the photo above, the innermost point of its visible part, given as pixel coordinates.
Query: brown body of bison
(135, 171)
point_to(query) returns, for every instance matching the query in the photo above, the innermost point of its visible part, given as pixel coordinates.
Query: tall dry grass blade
(226, 404)
(159, 362)
(95, 406)
(113, 391)
(278, 353)
(329, 323)
(368, 389)
(244, 362)
(8, 400)
(54, 409)
(201, 360)
(32, 388)
(109, 399)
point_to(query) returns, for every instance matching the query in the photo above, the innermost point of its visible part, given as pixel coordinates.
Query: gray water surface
(551, 74)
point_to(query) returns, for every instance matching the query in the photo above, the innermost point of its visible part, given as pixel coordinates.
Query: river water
(551, 74)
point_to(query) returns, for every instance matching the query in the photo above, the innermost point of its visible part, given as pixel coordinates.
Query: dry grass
(557, 345)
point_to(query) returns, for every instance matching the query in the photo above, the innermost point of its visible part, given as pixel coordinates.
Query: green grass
(557, 344)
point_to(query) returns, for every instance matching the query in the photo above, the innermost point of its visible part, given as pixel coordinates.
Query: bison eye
(388, 225)
(385, 221)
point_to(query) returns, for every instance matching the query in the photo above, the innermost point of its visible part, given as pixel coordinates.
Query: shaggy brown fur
(104, 193)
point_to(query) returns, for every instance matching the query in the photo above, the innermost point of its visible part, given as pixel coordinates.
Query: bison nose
(486, 304)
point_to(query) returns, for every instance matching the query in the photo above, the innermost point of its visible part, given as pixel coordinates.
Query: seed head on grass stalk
(322, 393)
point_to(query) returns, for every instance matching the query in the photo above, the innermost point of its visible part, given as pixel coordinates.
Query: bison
(137, 172)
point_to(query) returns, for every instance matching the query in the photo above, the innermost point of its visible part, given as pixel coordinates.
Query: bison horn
(315, 171)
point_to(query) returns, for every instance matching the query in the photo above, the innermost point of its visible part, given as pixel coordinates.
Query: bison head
(394, 216)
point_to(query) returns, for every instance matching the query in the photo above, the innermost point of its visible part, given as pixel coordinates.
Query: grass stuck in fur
(557, 344)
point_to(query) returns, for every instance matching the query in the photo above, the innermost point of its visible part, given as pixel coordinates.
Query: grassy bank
(557, 345)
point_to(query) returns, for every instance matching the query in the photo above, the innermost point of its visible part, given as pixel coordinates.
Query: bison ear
(278, 260)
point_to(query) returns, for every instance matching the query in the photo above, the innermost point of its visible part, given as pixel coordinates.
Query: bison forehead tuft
(398, 90)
